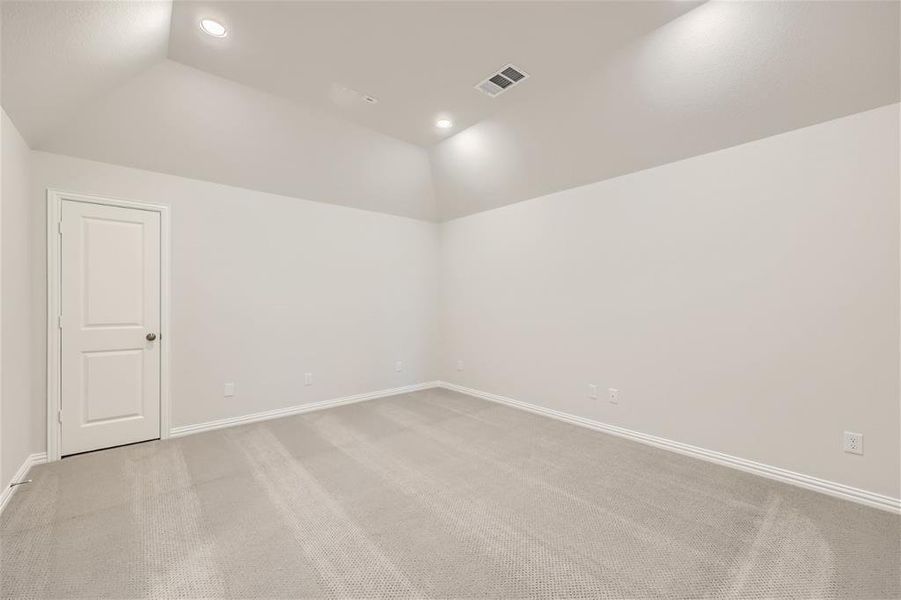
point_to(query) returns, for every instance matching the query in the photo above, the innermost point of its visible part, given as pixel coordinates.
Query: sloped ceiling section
(615, 87)
(723, 74)
(91, 79)
(60, 56)
(175, 119)
(418, 58)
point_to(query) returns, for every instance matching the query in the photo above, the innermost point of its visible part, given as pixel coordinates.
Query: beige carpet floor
(430, 494)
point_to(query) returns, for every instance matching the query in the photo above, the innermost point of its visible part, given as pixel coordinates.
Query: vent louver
(501, 81)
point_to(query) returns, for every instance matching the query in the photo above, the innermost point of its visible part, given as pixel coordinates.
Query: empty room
(450, 299)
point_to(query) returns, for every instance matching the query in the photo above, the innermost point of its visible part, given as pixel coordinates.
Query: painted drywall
(21, 430)
(179, 120)
(642, 89)
(744, 301)
(60, 55)
(456, 44)
(722, 74)
(737, 299)
(91, 79)
(266, 288)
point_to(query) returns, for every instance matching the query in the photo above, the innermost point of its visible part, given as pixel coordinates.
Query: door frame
(54, 346)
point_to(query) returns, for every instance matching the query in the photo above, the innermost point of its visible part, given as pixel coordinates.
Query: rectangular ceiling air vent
(501, 81)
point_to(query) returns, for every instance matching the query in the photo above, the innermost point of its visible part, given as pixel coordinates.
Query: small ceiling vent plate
(500, 81)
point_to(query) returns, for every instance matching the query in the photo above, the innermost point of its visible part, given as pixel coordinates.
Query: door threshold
(156, 439)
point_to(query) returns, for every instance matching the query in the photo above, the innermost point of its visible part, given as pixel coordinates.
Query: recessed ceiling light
(444, 123)
(213, 28)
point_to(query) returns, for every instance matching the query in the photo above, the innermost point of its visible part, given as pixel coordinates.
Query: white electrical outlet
(613, 394)
(399, 366)
(229, 390)
(852, 442)
(592, 391)
(308, 379)
(459, 365)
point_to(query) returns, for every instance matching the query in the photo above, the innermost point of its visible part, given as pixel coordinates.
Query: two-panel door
(110, 326)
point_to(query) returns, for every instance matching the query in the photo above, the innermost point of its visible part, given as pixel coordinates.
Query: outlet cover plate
(613, 394)
(852, 443)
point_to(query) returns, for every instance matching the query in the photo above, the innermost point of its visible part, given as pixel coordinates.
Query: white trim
(297, 410)
(54, 199)
(7, 493)
(830, 488)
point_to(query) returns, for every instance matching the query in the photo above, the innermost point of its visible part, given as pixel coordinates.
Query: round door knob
(151, 337)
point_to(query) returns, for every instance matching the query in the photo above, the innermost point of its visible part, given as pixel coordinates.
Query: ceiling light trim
(213, 28)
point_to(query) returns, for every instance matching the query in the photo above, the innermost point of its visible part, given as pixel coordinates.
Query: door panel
(114, 382)
(110, 292)
(115, 252)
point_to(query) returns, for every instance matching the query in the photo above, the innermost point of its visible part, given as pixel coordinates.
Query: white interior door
(110, 350)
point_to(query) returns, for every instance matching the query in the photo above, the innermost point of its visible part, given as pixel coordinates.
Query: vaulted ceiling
(419, 59)
(615, 87)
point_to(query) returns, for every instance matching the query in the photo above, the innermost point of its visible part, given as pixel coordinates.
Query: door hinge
(59, 416)
(59, 321)
(59, 227)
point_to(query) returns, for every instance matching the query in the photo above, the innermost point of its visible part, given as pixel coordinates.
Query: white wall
(744, 301)
(19, 427)
(266, 288)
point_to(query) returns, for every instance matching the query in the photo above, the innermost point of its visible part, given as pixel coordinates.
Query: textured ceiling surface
(420, 59)
(616, 87)
(175, 119)
(60, 56)
(724, 74)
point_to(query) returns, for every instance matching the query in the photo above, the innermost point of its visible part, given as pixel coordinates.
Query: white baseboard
(296, 410)
(770, 472)
(7, 493)
(830, 488)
